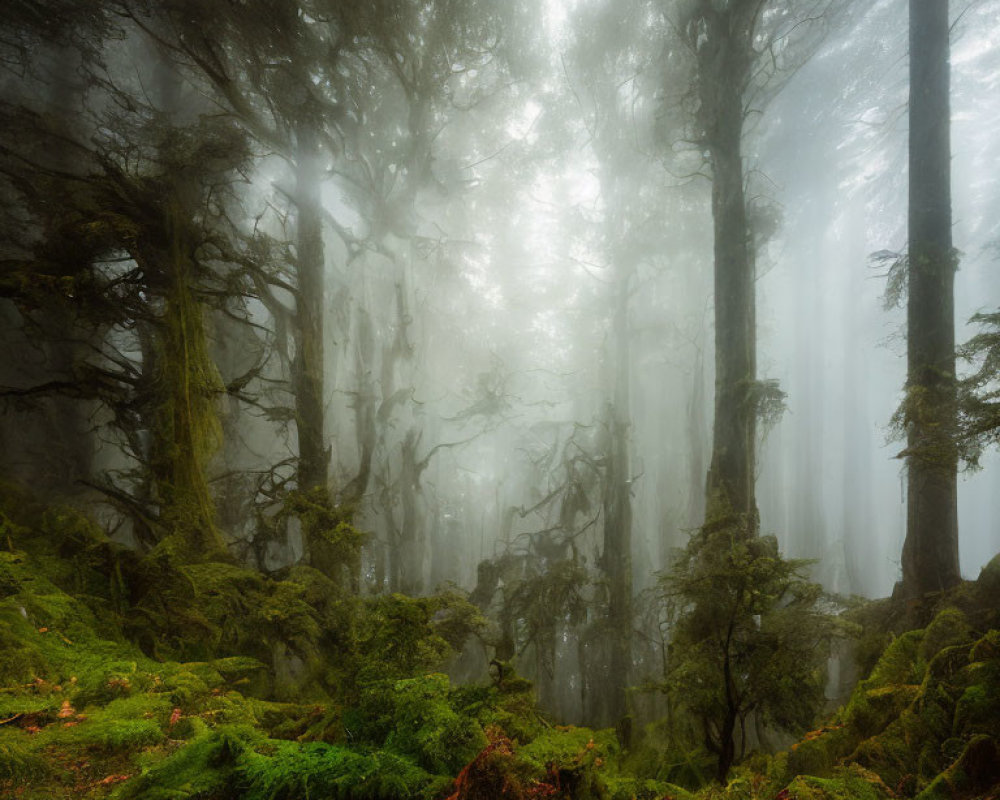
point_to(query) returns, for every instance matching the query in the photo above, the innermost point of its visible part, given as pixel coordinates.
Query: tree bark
(307, 366)
(930, 551)
(724, 58)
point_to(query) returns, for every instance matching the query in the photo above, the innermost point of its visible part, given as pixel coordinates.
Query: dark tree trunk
(723, 64)
(727, 748)
(307, 366)
(727, 732)
(930, 551)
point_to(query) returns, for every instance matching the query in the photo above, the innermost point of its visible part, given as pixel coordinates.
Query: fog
(509, 335)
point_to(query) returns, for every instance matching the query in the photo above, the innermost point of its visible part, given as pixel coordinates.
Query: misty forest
(500, 399)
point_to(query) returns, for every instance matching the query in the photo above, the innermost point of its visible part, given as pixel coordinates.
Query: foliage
(748, 638)
(979, 392)
(401, 636)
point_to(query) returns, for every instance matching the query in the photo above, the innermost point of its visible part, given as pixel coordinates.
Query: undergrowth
(101, 696)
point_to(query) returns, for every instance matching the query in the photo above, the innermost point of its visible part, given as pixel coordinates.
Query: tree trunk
(187, 384)
(723, 61)
(617, 554)
(727, 732)
(696, 436)
(408, 560)
(307, 366)
(185, 430)
(930, 551)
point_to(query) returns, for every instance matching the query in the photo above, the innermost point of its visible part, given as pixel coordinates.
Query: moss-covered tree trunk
(186, 385)
(930, 551)
(724, 48)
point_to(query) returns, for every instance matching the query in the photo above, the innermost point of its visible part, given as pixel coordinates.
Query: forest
(499, 399)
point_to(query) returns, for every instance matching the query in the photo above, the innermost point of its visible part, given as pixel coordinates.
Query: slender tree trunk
(723, 64)
(617, 555)
(930, 551)
(307, 366)
(696, 436)
(727, 732)
(408, 559)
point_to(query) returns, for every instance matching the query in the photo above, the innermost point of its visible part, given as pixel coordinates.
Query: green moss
(202, 768)
(899, 663)
(111, 736)
(427, 728)
(948, 628)
(20, 658)
(986, 648)
(821, 753)
(975, 771)
(852, 783)
(630, 788)
(978, 708)
(19, 761)
(290, 771)
(569, 745)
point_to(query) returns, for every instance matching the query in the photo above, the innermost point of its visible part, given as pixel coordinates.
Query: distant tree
(930, 550)
(747, 640)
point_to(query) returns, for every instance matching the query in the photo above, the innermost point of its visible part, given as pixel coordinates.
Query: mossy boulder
(852, 783)
(975, 774)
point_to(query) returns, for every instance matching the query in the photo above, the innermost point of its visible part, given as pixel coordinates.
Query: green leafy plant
(748, 640)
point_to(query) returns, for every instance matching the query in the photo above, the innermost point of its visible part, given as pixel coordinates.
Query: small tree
(747, 639)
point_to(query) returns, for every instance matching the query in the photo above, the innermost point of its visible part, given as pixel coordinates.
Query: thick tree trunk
(186, 426)
(723, 63)
(185, 429)
(930, 551)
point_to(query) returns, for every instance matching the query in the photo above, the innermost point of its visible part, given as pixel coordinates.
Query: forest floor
(85, 713)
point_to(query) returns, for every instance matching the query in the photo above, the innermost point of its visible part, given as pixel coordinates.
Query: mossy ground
(89, 708)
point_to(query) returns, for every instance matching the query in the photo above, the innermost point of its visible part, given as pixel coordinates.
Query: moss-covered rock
(974, 774)
(852, 783)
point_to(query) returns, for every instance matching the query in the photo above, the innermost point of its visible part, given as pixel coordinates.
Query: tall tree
(722, 37)
(743, 52)
(930, 551)
(283, 70)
